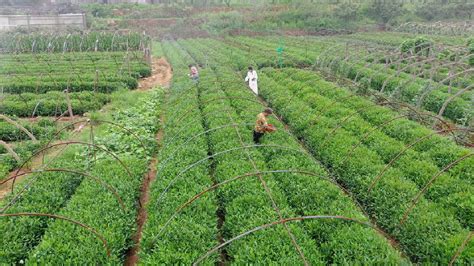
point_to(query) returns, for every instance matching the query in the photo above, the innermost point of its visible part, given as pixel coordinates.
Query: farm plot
(404, 177)
(95, 184)
(86, 71)
(250, 183)
(75, 42)
(44, 82)
(450, 96)
(346, 178)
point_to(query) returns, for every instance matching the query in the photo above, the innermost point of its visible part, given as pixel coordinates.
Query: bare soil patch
(161, 74)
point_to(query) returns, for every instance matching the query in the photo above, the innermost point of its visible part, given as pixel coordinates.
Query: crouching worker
(262, 126)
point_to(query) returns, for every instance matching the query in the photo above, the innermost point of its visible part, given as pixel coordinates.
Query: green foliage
(42, 129)
(389, 198)
(347, 12)
(415, 166)
(419, 46)
(291, 190)
(470, 45)
(75, 42)
(384, 11)
(222, 22)
(23, 149)
(49, 193)
(69, 195)
(91, 71)
(52, 103)
(438, 11)
(107, 214)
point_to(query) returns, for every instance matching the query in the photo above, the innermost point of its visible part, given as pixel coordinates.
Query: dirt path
(131, 257)
(161, 74)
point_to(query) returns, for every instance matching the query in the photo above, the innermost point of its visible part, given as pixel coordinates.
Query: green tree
(384, 11)
(347, 12)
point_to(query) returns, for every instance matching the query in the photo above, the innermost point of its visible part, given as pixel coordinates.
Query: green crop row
(459, 109)
(48, 193)
(54, 60)
(30, 74)
(415, 166)
(53, 103)
(43, 87)
(42, 129)
(332, 237)
(440, 149)
(429, 235)
(72, 69)
(92, 204)
(97, 207)
(100, 41)
(23, 149)
(194, 231)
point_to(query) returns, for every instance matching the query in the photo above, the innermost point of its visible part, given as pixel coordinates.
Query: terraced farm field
(371, 162)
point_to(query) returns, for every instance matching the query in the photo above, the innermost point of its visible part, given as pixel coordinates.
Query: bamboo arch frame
(10, 151)
(451, 98)
(407, 147)
(163, 163)
(429, 59)
(461, 248)
(87, 227)
(231, 180)
(386, 102)
(283, 221)
(98, 180)
(428, 92)
(68, 143)
(419, 113)
(17, 125)
(399, 71)
(416, 199)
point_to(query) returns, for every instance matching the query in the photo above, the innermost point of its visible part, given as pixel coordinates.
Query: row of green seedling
(429, 234)
(113, 215)
(332, 237)
(171, 236)
(416, 166)
(53, 103)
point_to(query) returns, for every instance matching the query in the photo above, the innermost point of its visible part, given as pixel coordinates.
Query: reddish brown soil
(6, 187)
(161, 75)
(132, 254)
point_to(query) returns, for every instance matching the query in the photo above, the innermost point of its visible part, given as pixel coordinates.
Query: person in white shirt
(252, 78)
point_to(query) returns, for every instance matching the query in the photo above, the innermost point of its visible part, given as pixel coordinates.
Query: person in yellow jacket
(262, 126)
